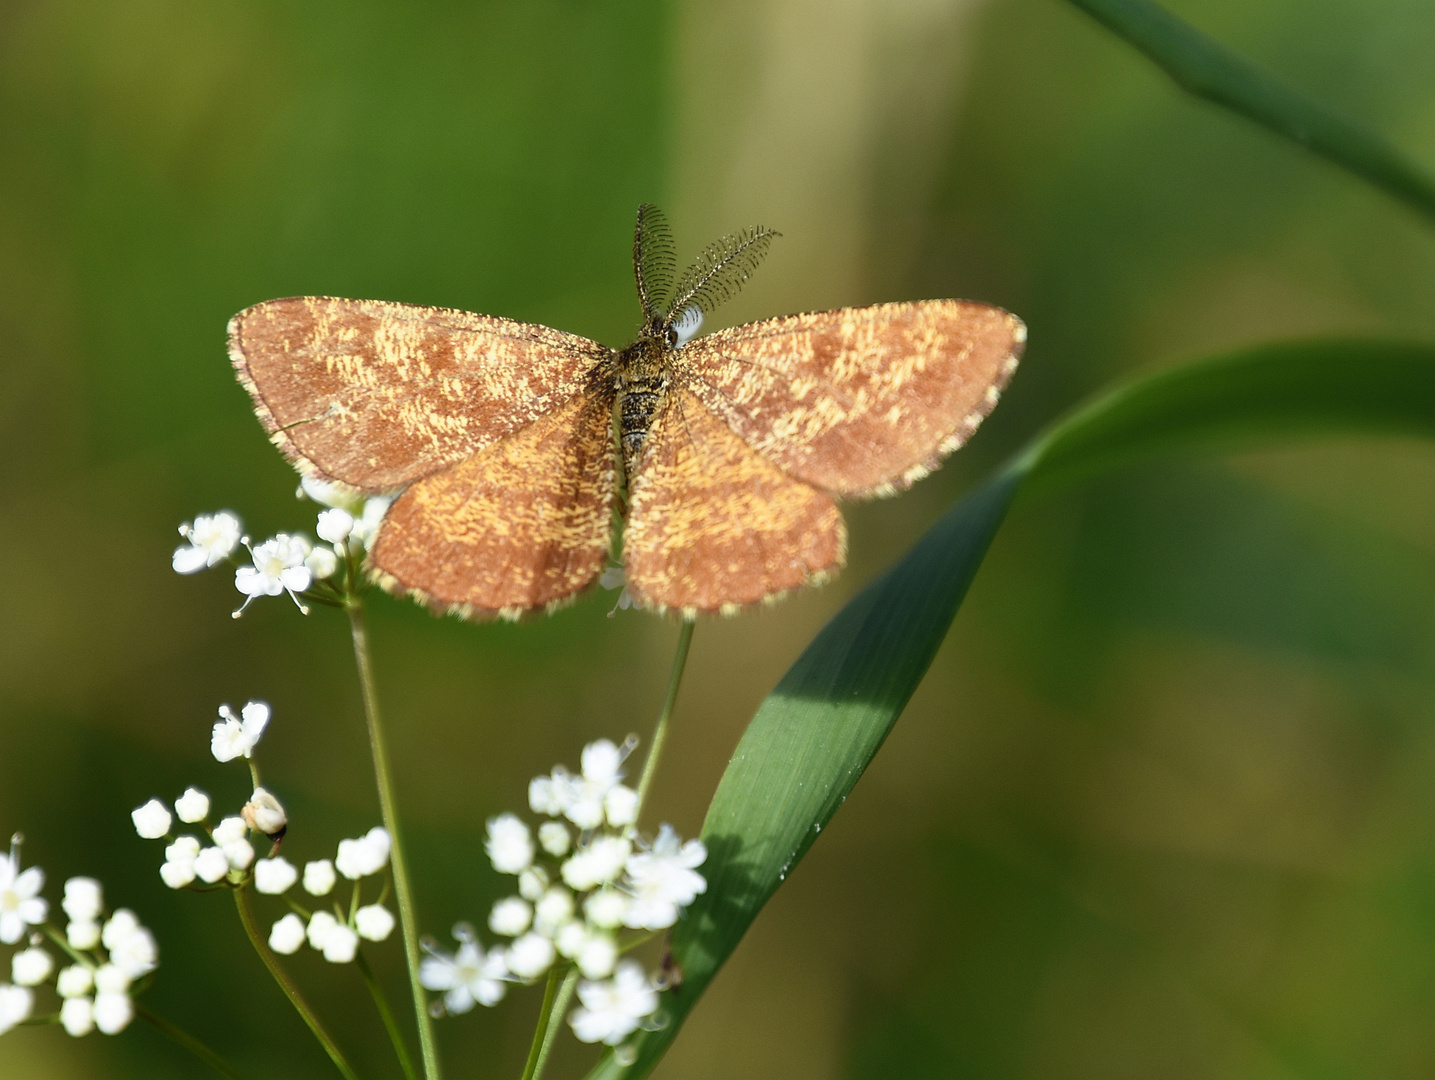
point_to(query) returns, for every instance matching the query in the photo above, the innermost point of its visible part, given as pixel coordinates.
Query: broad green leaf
(816, 732)
(1209, 70)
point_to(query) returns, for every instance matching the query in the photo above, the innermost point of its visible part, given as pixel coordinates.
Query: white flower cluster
(588, 876)
(228, 858)
(286, 562)
(111, 954)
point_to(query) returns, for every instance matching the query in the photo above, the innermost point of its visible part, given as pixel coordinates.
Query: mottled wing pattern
(522, 524)
(376, 394)
(713, 525)
(859, 401)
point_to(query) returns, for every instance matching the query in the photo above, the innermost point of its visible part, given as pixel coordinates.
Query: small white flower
(83, 899)
(240, 854)
(121, 924)
(77, 1016)
(551, 795)
(83, 934)
(599, 863)
(554, 838)
(374, 922)
(606, 908)
(264, 813)
(113, 1012)
(278, 568)
(335, 525)
(602, 762)
(74, 981)
(553, 909)
(367, 525)
(510, 916)
(321, 925)
(509, 844)
(177, 875)
(620, 806)
(20, 902)
(287, 935)
(533, 883)
(530, 956)
(571, 938)
(15, 1005)
(236, 736)
(230, 829)
(467, 976)
(687, 324)
(275, 876)
(152, 820)
(598, 956)
(319, 877)
(211, 865)
(367, 855)
(110, 979)
(192, 806)
(322, 562)
(184, 849)
(136, 954)
(616, 578)
(31, 967)
(212, 539)
(614, 1008)
(340, 944)
(663, 881)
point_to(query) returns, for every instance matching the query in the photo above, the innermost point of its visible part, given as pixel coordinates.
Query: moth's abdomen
(637, 406)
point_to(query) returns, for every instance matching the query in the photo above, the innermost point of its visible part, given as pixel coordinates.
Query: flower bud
(151, 820)
(263, 813)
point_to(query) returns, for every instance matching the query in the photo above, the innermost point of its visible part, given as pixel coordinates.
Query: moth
(510, 444)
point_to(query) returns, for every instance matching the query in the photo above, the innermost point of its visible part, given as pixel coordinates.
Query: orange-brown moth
(506, 438)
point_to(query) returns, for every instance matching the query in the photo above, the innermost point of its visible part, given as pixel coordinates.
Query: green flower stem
(246, 916)
(391, 1025)
(660, 730)
(555, 999)
(183, 1038)
(408, 923)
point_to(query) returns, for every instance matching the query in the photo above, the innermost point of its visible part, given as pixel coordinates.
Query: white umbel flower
(602, 770)
(466, 977)
(136, 954)
(530, 956)
(74, 981)
(113, 1012)
(510, 917)
(335, 525)
(319, 877)
(663, 881)
(374, 922)
(211, 865)
(554, 908)
(212, 539)
(178, 869)
(16, 1003)
(321, 925)
(236, 736)
(77, 1016)
(322, 563)
(275, 876)
(553, 838)
(31, 967)
(83, 935)
(340, 944)
(152, 820)
(287, 935)
(264, 813)
(614, 1008)
(84, 899)
(599, 863)
(21, 904)
(367, 855)
(192, 807)
(278, 568)
(366, 527)
(509, 844)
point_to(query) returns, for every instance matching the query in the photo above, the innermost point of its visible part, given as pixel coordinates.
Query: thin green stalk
(183, 1038)
(660, 730)
(246, 916)
(381, 1002)
(407, 921)
(555, 1000)
(1207, 69)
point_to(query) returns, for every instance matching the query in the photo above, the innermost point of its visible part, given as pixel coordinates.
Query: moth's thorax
(641, 374)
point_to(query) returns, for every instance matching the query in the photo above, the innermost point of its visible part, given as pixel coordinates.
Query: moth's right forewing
(376, 394)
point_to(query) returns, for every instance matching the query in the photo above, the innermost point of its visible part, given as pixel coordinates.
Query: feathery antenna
(654, 259)
(721, 270)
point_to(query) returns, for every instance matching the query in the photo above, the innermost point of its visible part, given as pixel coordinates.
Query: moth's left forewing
(858, 401)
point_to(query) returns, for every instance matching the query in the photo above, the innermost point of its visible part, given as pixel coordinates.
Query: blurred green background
(1165, 805)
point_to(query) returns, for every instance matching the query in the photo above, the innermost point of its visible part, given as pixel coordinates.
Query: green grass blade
(1209, 70)
(816, 732)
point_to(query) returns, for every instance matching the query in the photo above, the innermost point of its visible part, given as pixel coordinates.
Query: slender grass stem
(408, 923)
(660, 730)
(381, 1002)
(291, 991)
(180, 1037)
(555, 999)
